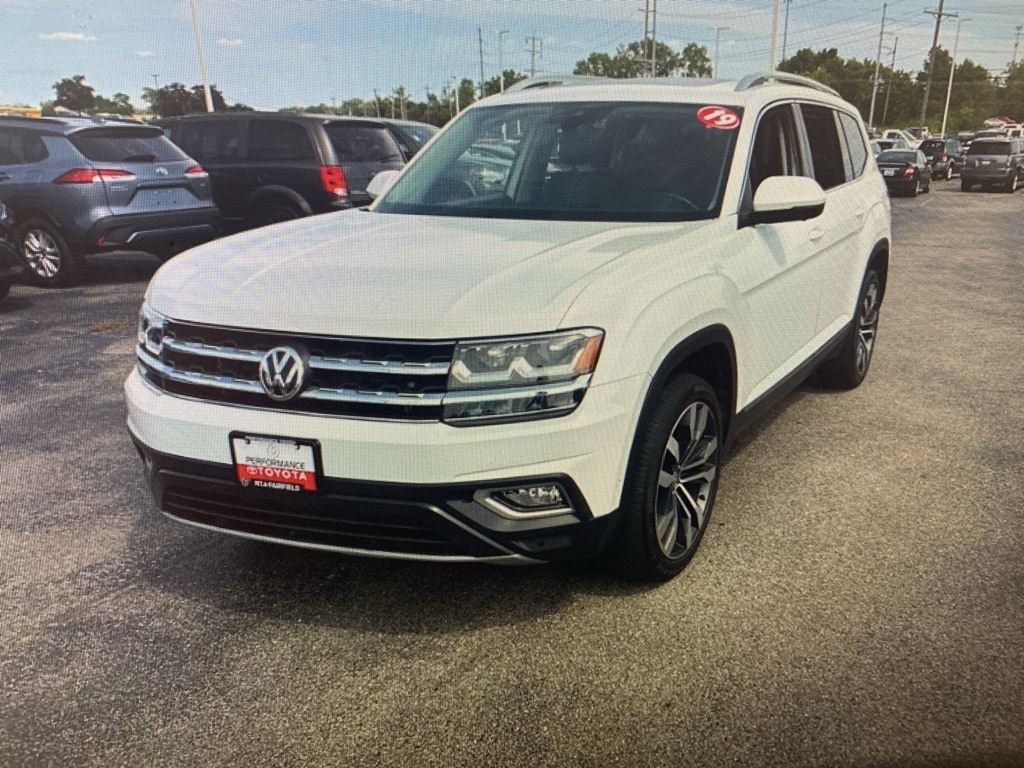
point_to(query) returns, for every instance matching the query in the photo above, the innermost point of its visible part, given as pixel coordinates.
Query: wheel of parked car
(50, 260)
(1012, 184)
(670, 488)
(965, 186)
(949, 172)
(276, 211)
(5, 288)
(849, 367)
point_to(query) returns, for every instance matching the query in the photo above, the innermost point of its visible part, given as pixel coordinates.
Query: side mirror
(380, 183)
(785, 198)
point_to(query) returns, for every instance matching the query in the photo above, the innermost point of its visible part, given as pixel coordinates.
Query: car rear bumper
(159, 233)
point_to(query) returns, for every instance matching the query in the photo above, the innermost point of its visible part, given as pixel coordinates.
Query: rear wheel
(276, 211)
(965, 186)
(849, 367)
(1012, 184)
(50, 261)
(5, 288)
(670, 487)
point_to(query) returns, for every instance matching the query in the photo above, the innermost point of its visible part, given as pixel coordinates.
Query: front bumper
(393, 489)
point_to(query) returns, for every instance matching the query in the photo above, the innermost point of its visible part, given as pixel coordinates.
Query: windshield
(593, 161)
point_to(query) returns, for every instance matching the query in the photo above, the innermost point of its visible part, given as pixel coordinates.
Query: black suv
(79, 185)
(946, 156)
(268, 167)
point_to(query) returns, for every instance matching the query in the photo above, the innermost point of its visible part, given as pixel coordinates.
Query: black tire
(5, 288)
(965, 186)
(50, 261)
(670, 486)
(949, 172)
(927, 188)
(276, 211)
(917, 189)
(1012, 184)
(850, 365)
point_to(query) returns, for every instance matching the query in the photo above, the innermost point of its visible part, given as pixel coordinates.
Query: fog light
(534, 500)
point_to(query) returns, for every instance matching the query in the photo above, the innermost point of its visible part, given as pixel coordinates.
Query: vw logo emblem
(161, 171)
(282, 373)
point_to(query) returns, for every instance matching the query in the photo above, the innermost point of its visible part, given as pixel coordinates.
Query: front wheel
(850, 365)
(671, 483)
(50, 261)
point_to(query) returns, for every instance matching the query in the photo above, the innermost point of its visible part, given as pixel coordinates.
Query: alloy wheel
(42, 253)
(686, 481)
(867, 327)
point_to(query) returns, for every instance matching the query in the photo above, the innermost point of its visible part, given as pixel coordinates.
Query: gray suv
(993, 162)
(84, 185)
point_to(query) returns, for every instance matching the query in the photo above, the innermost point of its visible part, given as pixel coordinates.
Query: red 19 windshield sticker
(718, 117)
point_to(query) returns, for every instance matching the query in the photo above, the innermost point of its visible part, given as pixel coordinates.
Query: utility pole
(533, 40)
(878, 64)
(931, 58)
(718, 32)
(156, 82)
(952, 68)
(480, 36)
(1016, 43)
(654, 38)
(775, 35)
(785, 29)
(501, 61)
(892, 72)
(202, 60)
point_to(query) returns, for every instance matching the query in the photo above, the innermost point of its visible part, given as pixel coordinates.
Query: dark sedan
(905, 171)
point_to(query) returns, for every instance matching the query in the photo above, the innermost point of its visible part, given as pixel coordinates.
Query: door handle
(816, 234)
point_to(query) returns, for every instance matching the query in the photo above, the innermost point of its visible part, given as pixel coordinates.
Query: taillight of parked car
(91, 175)
(908, 171)
(195, 172)
(333, 179)
(945, 157)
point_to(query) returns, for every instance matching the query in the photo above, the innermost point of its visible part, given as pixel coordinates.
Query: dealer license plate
(275, 463)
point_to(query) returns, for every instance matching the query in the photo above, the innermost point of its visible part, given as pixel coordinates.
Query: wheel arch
(879, 261)
(270, 192)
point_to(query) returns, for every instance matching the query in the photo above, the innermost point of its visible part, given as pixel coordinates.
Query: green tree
(74, 94)
(634, 60)
(176, 99)
(1009, 100)
(120, 104)
(510, 76)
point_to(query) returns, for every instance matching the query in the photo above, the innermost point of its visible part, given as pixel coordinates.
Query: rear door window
(212, 141)
(280, 140)
(21, 147)
(827, 158)
(125, 145)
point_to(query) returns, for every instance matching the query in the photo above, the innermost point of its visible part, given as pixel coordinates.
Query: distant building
(20, 111)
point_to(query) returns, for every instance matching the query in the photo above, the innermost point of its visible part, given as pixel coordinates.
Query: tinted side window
(363, 144)
(214, 141)
(279, 140)
(858, 153)
(20, 147)
(826, 149)
(775, 151)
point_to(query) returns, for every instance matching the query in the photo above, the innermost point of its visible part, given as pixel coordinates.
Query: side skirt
(758, 409)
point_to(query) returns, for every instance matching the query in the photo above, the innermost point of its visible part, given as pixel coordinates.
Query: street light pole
(775, 35)
(501, 61)
(952, 68)
(718, 33)
(202, 60)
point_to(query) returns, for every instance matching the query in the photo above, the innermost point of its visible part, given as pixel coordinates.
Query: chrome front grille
(346, 377)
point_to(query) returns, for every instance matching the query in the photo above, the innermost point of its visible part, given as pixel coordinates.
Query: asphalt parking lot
(858, 600)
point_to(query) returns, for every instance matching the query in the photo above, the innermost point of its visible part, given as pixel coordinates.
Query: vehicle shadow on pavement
(279, 583)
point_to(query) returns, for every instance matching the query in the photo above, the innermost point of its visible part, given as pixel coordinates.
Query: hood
(358, 273)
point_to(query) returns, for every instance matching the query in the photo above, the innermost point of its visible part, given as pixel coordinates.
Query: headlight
(151, 330)
(520, 378)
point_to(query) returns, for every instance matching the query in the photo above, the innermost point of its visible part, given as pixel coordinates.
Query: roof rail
(787, 78)
(550, 81)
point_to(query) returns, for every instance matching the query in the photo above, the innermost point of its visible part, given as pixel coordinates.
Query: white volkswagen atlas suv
(539, 339)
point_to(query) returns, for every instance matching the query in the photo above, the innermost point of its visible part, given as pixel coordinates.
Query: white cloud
(226, 41)
(68, 37)
(143, 54)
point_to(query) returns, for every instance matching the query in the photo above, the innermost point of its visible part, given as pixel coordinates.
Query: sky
(273, 54)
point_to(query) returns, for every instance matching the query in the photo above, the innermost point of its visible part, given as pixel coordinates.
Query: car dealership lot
(858, 600)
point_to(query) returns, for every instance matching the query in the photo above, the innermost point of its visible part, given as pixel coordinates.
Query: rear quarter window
(214, 141)
(137, 145)
(363, 143)
(21, 147)
(857, 153)
(279, 140)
